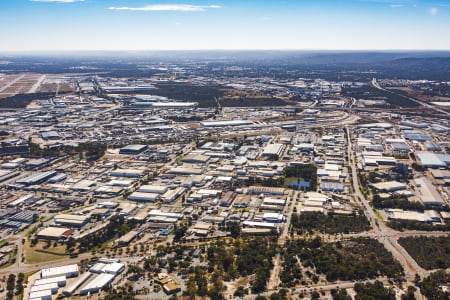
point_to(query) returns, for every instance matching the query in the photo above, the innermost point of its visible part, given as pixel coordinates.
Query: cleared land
(41, 253)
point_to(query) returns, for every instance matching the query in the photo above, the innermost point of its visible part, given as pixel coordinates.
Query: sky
(73, 25)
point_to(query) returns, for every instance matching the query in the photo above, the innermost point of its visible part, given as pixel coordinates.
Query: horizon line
(224, 50)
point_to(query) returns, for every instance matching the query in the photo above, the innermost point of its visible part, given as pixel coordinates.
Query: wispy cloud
(434, 11)
(167, 7)
(58, 1)
(397, 5)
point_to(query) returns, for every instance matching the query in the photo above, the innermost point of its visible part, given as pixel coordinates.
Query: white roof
(98, 282)
(113, 268)
(50, 280)
(40, 294)
(43, 287)
(58, 271)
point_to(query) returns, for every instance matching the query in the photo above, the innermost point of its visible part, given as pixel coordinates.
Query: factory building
(68, 271)
(36, 178)
(273, 151)
(427, 192)
(54, 233)
(133, 149)
(71, 220)
(133, 173)
(97, 283)
(144, 197)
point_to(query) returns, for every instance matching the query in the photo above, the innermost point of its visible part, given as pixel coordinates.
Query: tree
(234, 228)
(240, 291)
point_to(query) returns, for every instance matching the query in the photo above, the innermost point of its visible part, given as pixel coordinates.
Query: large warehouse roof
(430, 159)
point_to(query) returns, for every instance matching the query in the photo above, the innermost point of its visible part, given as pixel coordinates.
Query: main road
(375, 84)
(275, 272)
(384, 234)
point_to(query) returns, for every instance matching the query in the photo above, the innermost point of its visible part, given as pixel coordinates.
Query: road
(326, 287)
(274, 280)
(383, 233)
(375, 84)
(6, 86)
(38, 83)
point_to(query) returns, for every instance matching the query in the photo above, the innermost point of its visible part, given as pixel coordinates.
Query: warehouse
(133, 173)
(54, 233)
(258, 224)
(332, 187)
(68, 291)
(114, 268)
(68, 271)
(389, 186)
(159, 213)
(273, 151)
(195, 159)
(133, 149)
(97, 283)
(258, 190)
(52, 286)
(400, 147)
(59, 280)
(158, 189)
(41, 295)
(172, 195)
(36, 178)
(71, 220)
(127, 208)
(21, 200)
(143, 197)
(427, 192)
(304, 147)
(273, 217)
(127, 238)
(433, 160)
(227, 199)
(241, 201)
(185, 171)
(97, 268)
(274, 201)
(23, 217)
(57, 178)
(414, 135)
(83, 185)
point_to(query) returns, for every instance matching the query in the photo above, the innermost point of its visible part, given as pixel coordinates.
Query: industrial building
(127, 238)
(59, 280)
(41, 295)
(427, 192)
(433, 160)
(54, 233)
(273, 151)
(70, 289)
(97, 283)
(68, 271)
(144, 197)
(273, 217)
(133, 173)
(157, 189)
(133, 149)
(389, 186)
(71, 220)
(36, 178)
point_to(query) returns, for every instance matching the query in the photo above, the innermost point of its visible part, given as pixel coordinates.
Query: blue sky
(65, 25)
